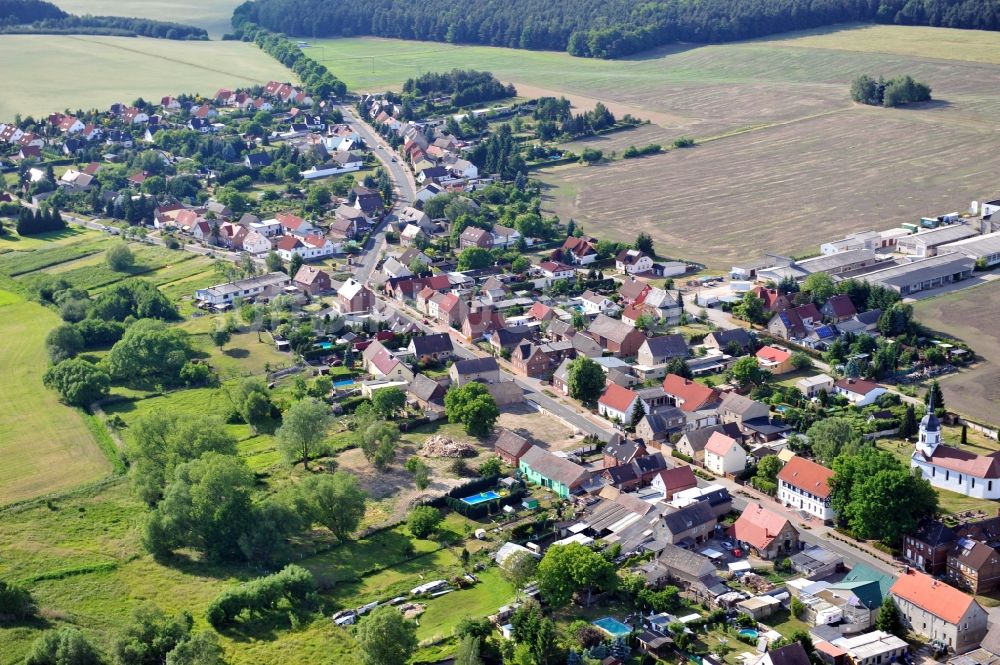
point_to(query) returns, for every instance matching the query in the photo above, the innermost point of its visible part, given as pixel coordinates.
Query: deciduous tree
(586, 379)
(474, 407)
(385, 637)
(303, 430)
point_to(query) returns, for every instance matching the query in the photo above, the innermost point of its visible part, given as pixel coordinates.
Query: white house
(594, 303)
(267, 285)
(724, 456)
(859, 391)
(633, 262)
(553, 271)
(428, 192)
(951, 468)
(811, 386)
(804, 485)
(504, 236)
(256, 243)
(268, 228)
(463, 168)
(617, 402)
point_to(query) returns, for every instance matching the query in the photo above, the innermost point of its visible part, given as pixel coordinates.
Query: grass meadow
(780, 147)
(55, 72)
(213, 15)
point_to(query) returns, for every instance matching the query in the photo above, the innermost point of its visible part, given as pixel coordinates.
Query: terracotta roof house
(481, 320)
(617, 403)
(804, 485)
(773, 300)
(510, 447)
(541, 312)
(724, 456)
(795, 323)
(775, 360)
(838, 308)
(938, 611)
(672, 481)
(687, 394)
(633, 292)
(765, 532)
(581, 251)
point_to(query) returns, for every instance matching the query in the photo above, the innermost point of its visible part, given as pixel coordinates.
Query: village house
(688, 526)
(736, 408)
(974, 566)
(482, 370)
(382, 364)
(426, 393)
(688, 395)
(659, 350)
(554, 271)
(939, 612)
(312, 280)
(724, 456)
(618, 403)
(595, 304)
(616, 336)
(838, 308)
(633, 262)
(811, 386)
(581, 251)
(795, 323)
(804, 485)
(540, 467)
(928, 547)
(354, 296)
(510, 447)
(267, 285)
(775, 360)
(859, 391)
(537, 360)
(764, 532)
(474, 236)
(659, 426)
(671, 481)
(435, 347)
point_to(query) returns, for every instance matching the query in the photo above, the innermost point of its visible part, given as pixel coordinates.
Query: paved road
(403, 184)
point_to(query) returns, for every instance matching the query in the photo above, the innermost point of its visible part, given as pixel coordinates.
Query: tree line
(594, 28)
(45, 17)
(466, 86)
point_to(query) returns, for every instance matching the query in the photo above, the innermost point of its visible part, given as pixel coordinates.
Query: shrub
(293, 583)
(423, 520)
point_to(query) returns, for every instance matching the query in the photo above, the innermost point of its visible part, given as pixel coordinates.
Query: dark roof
(724, 337)
(621, 474)
(427, 389)
(716, 497)
(790, 654)
(622, 449)
(660, 420)
(686, 518)
(870, 317)
(259, 159)
(512, 335)
(476, 365)
(553, 467)
(935, 533)
(434, 343)
(649, 463)
(669, 346)
(766, 426)
(679, 560)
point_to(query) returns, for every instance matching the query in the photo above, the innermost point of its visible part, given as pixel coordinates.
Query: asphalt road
(403, 184)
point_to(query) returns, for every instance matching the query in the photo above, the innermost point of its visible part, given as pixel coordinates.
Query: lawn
(443, 614)
(72, 234)
(157, 264)
(970, 315)
(53, 72)
(50, 256)
(46, 446)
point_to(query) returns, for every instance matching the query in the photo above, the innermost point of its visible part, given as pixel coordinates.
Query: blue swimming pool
(481, 497)
(613, 627)
(326, 345)
(343, 382)
(749, 633)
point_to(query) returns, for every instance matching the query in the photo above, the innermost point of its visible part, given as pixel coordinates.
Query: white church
(952, 468)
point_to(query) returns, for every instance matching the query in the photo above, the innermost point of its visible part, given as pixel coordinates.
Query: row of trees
(41, 16)
(598, 29)
(292, 584)
(39, 221)
(466, 86)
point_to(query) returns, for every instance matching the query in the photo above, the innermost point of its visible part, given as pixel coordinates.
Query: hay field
(213, 15)
(45, 445)
(784, 151)
(970, 315)
(54, 72)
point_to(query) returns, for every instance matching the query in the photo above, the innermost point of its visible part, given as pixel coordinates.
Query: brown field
(541, 429)
(970, 315)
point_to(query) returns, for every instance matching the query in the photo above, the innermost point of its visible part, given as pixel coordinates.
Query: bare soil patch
(540, 429)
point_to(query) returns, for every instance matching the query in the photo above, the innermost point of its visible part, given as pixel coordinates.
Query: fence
(990, 432)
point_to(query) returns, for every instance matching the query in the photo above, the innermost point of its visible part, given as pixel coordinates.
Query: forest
(598, 28)
(37, 16)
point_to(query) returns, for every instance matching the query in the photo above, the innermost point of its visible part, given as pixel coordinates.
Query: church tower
(930, 431)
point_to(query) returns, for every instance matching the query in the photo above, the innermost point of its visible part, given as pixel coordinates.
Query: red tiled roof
(288, 243)
(618, 398)
(540, 311)
(289, 221)
(449, 302)
(758, 526)
(773, 354)
(859, 386)
(963, 461)
(807, 475)
(841, 306)
(943, 601)
(690, 395)
(678, 478)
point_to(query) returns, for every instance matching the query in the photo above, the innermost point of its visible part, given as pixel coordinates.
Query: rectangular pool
(613, 627)
(480, 498)
(343, 382)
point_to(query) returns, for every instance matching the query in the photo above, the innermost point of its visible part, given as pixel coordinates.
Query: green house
(540, 467)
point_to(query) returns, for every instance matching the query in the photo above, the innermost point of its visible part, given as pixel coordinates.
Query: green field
(46, 446)
(55, 72)
(213, 15)
(780, 147)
